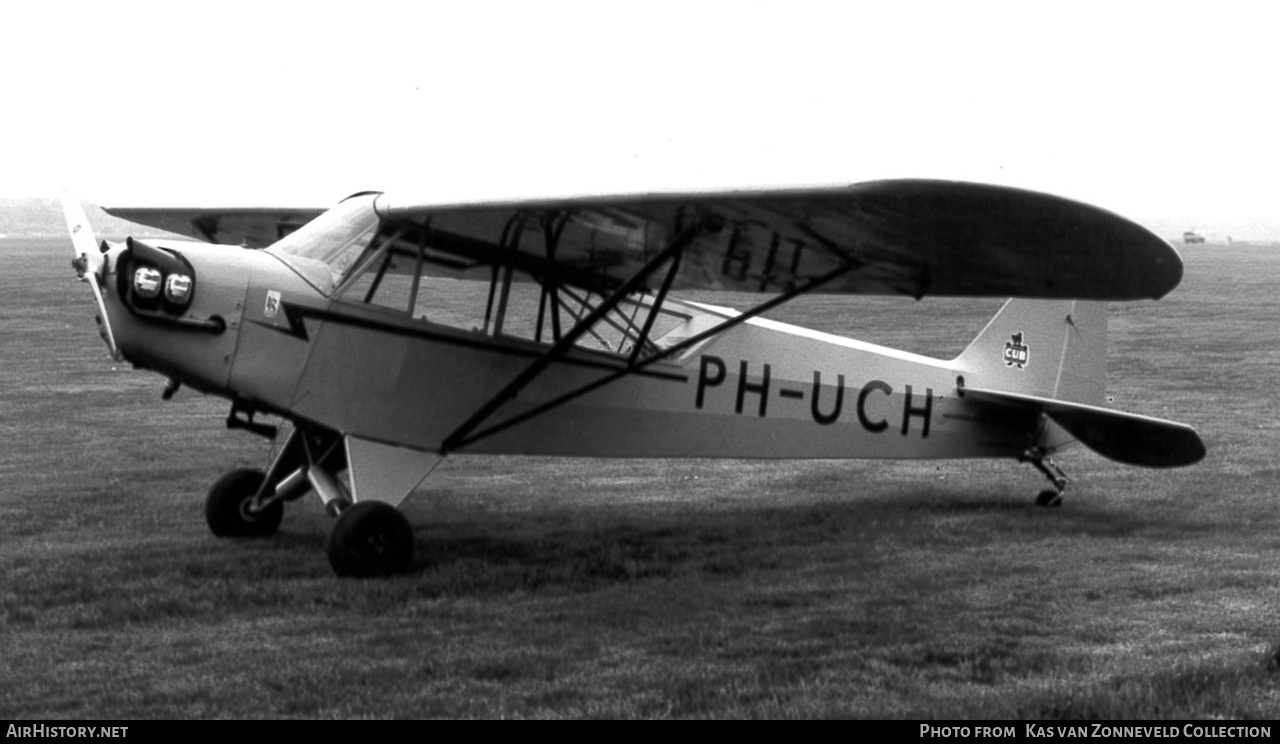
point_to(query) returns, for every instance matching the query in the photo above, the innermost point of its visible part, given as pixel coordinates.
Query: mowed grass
(575, 588)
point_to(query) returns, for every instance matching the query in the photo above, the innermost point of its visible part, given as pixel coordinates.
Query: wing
(254, 227)
(1123, 437)
(895, 237)
(909, 237)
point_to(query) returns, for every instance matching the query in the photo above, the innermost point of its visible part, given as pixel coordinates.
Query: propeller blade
(88, 262)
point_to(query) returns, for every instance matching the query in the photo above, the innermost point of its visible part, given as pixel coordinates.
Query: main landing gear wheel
(228, 510)
(370, 538)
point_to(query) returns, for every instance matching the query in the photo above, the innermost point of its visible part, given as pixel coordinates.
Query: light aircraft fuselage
(762, 389)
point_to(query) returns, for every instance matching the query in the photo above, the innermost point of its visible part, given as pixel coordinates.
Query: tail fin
(1050, 357)
(1047, 348)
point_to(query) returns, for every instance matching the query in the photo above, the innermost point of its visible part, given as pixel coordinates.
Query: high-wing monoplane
(391, 331)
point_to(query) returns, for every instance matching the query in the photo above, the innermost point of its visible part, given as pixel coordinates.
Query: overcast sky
(1163, 112)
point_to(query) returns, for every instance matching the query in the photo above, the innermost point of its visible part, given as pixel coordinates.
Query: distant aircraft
(392, 331)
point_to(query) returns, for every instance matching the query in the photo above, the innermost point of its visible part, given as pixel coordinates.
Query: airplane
(388, 332)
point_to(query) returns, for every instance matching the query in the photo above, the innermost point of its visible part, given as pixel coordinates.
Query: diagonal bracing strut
(566, 341)
(461, 438)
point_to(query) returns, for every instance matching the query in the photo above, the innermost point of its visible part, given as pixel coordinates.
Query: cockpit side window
(475, 282)
(386, 275)
(427, 274)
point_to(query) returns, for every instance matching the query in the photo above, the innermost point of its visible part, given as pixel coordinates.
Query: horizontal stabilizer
(1123, 437)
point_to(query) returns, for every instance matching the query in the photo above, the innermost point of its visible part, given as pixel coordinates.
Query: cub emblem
(1016, 353)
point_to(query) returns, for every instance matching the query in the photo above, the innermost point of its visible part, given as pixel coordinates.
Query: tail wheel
(1049, 497)
(370, 538)
(227, 508)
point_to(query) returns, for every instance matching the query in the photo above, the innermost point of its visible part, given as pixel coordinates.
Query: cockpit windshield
(325, 248)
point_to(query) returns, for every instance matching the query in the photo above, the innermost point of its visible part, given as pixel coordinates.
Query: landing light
(146, 282)
(177, 289)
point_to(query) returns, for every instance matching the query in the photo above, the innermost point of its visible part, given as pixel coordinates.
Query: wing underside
(910, 237)
(253, 227)
(907, 237)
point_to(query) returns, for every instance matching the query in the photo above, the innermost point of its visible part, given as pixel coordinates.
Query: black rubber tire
(1049, 497)
(226, 506)
(370, 539)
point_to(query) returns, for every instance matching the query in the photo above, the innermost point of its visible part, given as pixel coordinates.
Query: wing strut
(565, 342)
(464, 435)
(653, 312)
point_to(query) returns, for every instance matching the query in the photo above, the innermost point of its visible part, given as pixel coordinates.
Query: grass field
(572, 588)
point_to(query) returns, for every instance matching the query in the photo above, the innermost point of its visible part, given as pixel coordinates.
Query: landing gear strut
(369, 538)
(1040, 460)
